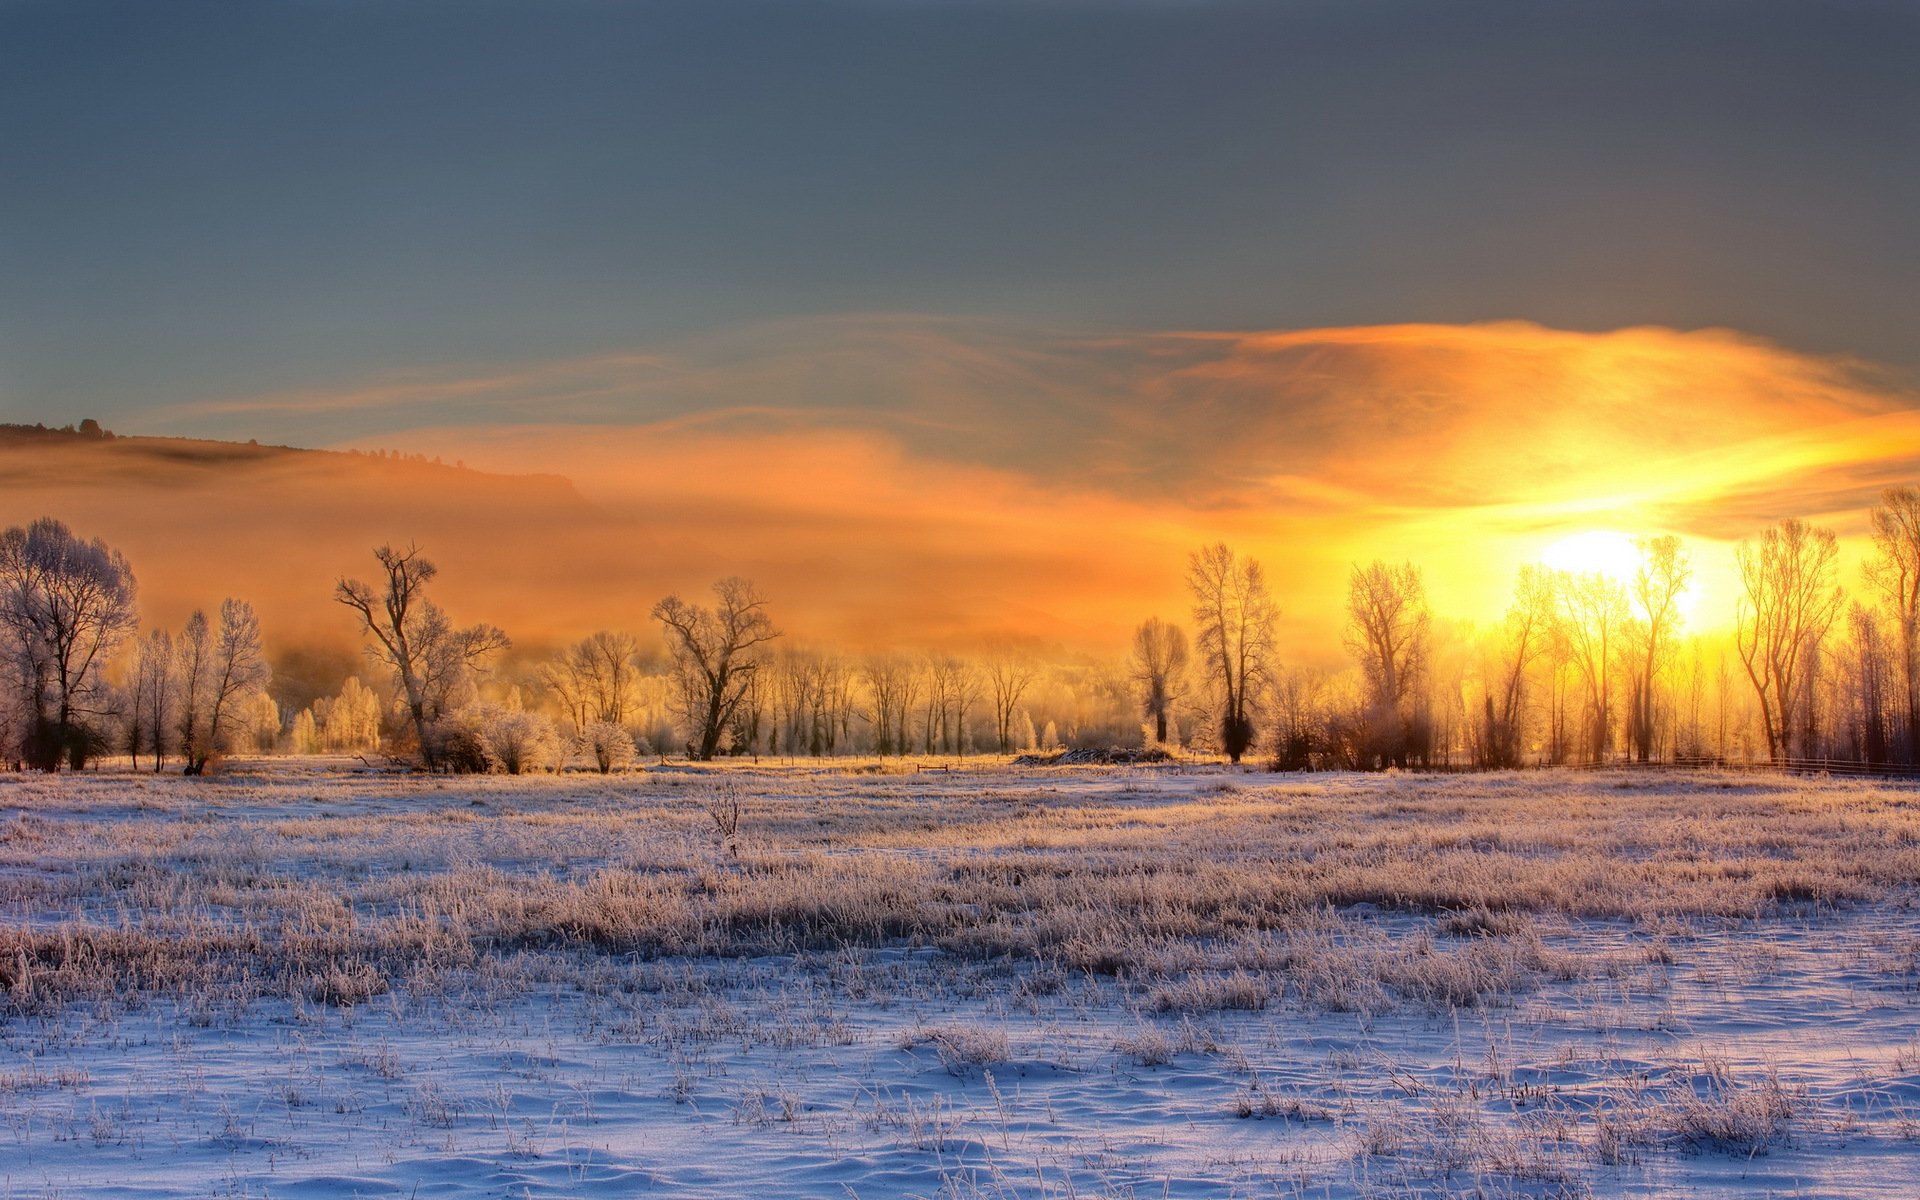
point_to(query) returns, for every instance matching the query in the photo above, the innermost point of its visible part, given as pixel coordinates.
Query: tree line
(1582, 667)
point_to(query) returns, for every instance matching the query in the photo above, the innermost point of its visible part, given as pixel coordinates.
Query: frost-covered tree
(65, 605)
(259, 723)
(892, 686)
(1658, 584)
(349, 722)
(306, 733)
(1387, 631)
(1790, 600)
(1234, 613)
(430, 658)
(152, 706)
(1159, 670)
(500, 738)
(1525, 637)
(1008, 678)
(1894, 572)
(597, 679)
(1590, 621)
(217, 667)
(716, 653)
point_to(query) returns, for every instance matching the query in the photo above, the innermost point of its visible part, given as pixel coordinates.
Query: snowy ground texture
(299, 980)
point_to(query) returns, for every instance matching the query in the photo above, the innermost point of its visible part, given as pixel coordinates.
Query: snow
(1714, 1056)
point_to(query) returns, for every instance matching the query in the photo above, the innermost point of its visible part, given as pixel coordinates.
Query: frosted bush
(609, 746)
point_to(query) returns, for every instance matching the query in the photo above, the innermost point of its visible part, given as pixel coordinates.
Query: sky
(936, 296)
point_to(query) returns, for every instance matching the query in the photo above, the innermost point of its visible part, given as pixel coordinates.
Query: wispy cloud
(896, 477)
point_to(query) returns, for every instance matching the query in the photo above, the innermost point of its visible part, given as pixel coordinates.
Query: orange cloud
(896, 480)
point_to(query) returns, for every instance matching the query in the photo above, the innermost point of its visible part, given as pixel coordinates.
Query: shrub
(482, 738)
(608, 745)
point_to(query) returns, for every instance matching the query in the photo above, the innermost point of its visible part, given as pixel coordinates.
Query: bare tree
(811, 701)
(1234, 613)
(952, 689)
(216, 668)
(65, 604)
(1159, 670)
(1387, 626)
(151, 704)
(1789, 602)
(968, 687)
(429, 657)
(597, 678)
(1659, 582)
(716, 654)
(1008, 677)
(1301, 717)
(1592, 612)
(1526, 637)
(891, 686)
(1895, 574)
(1862, 722)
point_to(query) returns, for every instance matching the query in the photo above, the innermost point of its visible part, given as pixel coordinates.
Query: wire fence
(1794, 766)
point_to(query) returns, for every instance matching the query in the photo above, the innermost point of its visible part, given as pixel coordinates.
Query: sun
(1599, 550)
(1616, 556)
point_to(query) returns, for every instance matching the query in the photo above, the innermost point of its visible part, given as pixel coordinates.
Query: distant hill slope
(201, 520)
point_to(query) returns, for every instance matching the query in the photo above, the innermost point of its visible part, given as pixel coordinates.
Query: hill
(201, 520)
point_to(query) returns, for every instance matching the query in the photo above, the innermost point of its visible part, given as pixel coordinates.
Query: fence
(1797, 766)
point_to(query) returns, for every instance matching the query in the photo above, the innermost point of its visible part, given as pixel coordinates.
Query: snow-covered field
(298, 980)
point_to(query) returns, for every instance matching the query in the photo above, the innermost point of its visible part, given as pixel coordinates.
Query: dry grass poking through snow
(1205, 891)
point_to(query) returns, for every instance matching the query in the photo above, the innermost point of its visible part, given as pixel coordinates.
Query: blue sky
(215, 201)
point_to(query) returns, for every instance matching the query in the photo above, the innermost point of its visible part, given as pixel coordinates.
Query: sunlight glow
(1616, 556)
(1600, 550)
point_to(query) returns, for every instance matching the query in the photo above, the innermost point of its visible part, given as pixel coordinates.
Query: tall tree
(1861, 711)
(716, 653)
(1159, 670)
(1592, 612)
(1234, 613)
(1300, 714)
(597, 679)
(1658, 583)
(1526, 636)
(1008, 677)
(429, 657)
(1789, 602)
(891, 686)
(217, 668)
(1895, 574)
(65, 604)
(1387, 626)
(153, 705)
